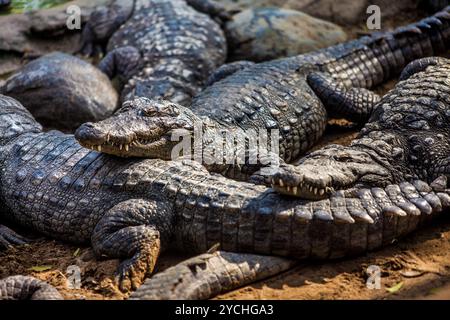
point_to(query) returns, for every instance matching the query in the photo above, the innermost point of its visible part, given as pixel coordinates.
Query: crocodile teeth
(294, 190)
(281, 183)
(127, 147)
(120, 146)
(99, 148)
(321, 192)
(315, 190)
(107, 138)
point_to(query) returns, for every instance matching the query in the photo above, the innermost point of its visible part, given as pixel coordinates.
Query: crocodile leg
(228, 69)
(419, 65)
(128, 231)
(207, 275)
(27, 288)
(354, 104)
(9, 238)
(123, 61)
(102, 23)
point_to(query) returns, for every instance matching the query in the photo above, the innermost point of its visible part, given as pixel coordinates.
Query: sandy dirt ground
(417, 267)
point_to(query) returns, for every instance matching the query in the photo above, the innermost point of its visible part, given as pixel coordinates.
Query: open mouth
(302, 190)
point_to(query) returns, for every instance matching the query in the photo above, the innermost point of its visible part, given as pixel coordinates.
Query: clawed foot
(132, 272)
(9, 238)
(90, 50)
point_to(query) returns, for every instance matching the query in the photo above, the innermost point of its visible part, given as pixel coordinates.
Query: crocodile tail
(216, 273)
(346, 224)
(371, 60)
(27, 288)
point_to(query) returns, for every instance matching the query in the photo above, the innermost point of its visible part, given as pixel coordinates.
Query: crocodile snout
(88, 134)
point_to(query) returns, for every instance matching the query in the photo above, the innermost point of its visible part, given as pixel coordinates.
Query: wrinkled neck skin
(386, 150)
(15, 121)
(207, 143)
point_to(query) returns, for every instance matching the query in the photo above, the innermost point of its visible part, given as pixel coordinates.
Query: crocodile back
(268, 96)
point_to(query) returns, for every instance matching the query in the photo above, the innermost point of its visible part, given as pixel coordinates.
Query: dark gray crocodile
(287, 95)
(210, 274)
(159, 48)
(405, 140)
(134, 208)
(27, 288)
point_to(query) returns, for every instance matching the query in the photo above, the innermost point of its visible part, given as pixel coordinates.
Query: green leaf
(395, 288)
(40, 268)
(76, 253)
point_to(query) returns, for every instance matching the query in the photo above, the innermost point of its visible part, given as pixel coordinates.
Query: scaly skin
(27, 288)
(398, 145)
(286, 95)
(159, 48)
(132, 209)
(208, 275)
(406, 138)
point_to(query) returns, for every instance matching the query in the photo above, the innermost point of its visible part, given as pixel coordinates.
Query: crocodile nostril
(88, 133)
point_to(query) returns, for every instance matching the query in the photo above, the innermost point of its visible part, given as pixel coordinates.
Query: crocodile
(134, 208)
(158, 48)
(289, 97)
(405, 139)
(210, 274)
(27, 288)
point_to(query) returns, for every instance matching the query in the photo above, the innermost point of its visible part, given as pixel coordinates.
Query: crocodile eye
(149, 112)
(344, 159)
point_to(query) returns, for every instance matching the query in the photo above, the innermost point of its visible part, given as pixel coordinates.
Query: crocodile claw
(131, 273)
(9, 238)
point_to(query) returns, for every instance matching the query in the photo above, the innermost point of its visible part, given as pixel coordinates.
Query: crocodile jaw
(141, 128)
(324, 171)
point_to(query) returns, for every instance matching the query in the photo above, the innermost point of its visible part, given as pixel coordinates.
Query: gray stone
(63, 91)
(268, 33)
(45, 30)
(342, 12)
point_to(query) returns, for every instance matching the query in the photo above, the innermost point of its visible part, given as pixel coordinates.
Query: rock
(351, 11)
(62, 91)
(432, 6)
(45, 30)
(268, 33)
(342, 12)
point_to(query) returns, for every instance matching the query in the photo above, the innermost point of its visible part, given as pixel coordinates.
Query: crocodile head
(334, 167)
(141, 128)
